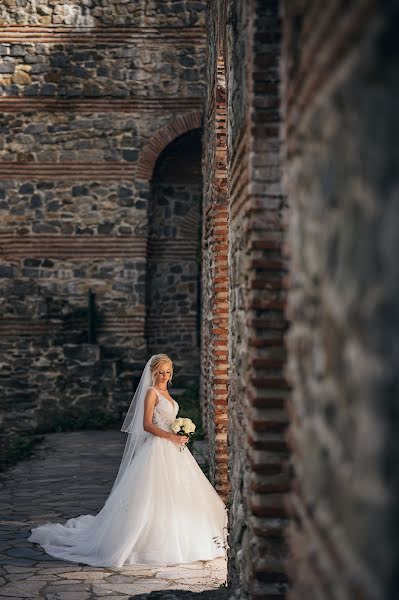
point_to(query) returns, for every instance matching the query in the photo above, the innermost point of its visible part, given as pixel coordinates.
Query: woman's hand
(180, 440)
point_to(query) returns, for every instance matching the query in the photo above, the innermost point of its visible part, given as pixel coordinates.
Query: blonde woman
(162, 510)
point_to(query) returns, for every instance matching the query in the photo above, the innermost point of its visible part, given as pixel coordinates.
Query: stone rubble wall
(65, 385)
(151, 13)
(66, 65)
(72, 208)
(89, 97)
(341, 96)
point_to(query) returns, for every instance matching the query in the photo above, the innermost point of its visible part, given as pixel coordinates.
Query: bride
(161, 510)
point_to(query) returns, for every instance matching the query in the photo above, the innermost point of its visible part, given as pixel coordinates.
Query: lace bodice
(164, 412)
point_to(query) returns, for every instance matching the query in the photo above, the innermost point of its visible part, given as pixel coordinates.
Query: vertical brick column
(257, 386)
(216, 291)
(268, 389)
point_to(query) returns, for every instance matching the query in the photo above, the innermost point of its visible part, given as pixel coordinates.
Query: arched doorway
(173, 272)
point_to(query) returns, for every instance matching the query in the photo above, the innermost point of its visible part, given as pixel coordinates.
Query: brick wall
(215, 275)
(247, 36)
(341, 95)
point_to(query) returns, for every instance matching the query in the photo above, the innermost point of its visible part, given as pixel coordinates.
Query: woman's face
(164, 373)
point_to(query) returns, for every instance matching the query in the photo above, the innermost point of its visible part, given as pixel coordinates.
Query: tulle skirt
(164, 511)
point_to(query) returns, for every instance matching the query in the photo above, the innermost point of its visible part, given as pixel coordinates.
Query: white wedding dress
(163, 511)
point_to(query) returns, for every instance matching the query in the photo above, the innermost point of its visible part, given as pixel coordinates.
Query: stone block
(80, 190)
(60, 60)
(48, 89)
(7, 68)
(125, 192)
(130, 155)
(21, 78)
(31, 90)
(26, 188)
(6, 271)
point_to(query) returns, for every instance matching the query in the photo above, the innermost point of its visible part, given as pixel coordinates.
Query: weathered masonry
(243, 252)
(100, 193)
(339, 66)
(302, 154)
(223, 177)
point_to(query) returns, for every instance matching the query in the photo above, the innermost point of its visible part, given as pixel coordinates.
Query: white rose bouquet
(183, 427)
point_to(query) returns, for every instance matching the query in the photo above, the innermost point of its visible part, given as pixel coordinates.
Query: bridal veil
(133, 423)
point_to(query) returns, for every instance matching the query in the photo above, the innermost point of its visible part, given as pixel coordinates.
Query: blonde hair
(156, 363)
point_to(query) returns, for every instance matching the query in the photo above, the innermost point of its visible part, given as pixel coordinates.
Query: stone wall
(246, 39)
(98, 192)
(89, 13)
(342, 131)
(89, 97)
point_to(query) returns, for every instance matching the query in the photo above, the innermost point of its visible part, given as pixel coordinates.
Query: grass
(189, 407)
(72, 420)
(15, 446)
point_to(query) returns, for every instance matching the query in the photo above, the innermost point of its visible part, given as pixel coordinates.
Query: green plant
(15, 446)
(189, 406)
(72, 420)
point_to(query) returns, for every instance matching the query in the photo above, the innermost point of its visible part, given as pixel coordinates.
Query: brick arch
(162, 138)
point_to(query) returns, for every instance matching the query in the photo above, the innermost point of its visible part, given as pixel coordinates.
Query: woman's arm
(148, 425)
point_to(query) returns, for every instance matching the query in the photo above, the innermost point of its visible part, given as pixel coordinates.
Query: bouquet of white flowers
(183, 427)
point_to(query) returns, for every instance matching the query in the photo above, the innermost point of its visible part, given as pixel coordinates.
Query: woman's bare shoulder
(151, 395)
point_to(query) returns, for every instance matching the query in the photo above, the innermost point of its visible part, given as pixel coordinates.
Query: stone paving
(71, 474)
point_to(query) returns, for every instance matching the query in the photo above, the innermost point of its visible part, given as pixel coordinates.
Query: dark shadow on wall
(174, 250)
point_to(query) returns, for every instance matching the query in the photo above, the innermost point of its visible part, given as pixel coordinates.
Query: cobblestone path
(54, 486)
